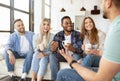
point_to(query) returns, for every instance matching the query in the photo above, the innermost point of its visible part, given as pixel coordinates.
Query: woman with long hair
(41, 45)
(93, 42)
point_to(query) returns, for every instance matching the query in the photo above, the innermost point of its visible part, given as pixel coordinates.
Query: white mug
(88, 46)
(65, 42)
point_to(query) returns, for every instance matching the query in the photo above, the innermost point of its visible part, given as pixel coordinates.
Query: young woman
(93, 42)
(41, 45)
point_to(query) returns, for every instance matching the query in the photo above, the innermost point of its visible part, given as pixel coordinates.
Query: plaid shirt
(75, 40)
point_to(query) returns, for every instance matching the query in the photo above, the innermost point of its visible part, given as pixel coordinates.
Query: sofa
(19, 64)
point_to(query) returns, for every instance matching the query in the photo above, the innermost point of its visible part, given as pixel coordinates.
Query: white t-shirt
(24, 44)
(68, 39)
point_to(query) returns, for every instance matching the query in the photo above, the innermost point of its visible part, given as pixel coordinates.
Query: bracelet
(73, 61)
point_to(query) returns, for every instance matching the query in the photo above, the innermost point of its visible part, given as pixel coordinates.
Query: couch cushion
(1, 52)
(19, 66)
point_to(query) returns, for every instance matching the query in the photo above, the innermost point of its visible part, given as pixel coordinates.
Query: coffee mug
(88, 47)
(65, 42)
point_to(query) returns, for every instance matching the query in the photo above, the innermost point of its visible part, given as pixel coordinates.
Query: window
(47, 9)
(4, 19)
(4, 37)
(23, 6)
(24, 17)
(7, 2)
(14, 9)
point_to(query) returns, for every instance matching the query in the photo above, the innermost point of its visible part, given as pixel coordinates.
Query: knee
(35, 54)
(52, 57)
(44, 60)
(60, 73)
(88, 57)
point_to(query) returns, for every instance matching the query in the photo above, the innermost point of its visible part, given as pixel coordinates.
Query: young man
(19, 45)
(109, 69)
(73, 45)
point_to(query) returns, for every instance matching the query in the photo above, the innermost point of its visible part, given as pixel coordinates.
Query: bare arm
(106, 68)
(11, 57)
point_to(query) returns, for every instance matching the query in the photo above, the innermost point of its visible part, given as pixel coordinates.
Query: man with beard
(109, 67)
(68, 39)
(19, 45)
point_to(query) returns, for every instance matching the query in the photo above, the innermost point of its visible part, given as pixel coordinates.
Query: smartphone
(61, 46)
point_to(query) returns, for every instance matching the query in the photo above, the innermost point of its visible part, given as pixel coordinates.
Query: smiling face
(67, 25)
(46, 26)
(19, 26)
(88, 24)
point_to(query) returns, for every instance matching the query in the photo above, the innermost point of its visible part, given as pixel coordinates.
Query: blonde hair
(93, 36)
(40, 38)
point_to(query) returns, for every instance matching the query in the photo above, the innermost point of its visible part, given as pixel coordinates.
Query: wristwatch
(73, 61)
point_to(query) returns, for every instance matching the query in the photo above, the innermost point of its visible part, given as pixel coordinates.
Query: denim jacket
(75, 40)
(14, 41)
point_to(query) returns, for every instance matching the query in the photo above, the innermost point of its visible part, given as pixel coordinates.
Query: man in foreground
(109, 69)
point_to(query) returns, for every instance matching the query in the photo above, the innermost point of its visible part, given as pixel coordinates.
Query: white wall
(72, 10)
(37, 14)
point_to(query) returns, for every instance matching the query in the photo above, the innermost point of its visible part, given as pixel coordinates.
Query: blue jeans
(91, 62)
(27, 62)
(68, 75)
(54, 63)
(39, 65)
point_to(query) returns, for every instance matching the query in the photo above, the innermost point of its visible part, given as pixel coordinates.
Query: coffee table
(4, 77)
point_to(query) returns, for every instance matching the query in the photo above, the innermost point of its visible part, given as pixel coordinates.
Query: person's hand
(40, 55)
(70, 47)
(12, 58)
(88, 51)
(97, 52)
(54, 45)
(66, 55)
(83, 47)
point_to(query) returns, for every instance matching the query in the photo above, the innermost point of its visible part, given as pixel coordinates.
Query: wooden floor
(29, 79)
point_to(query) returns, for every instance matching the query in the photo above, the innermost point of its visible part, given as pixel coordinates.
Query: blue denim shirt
(75, 40)
(14, 41)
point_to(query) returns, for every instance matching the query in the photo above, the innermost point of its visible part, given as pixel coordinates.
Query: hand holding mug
(88, 48)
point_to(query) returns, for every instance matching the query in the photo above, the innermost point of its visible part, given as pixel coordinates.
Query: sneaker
(14, 78)
(22, 79)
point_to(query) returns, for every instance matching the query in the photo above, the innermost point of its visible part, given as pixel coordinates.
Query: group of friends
(99, 62)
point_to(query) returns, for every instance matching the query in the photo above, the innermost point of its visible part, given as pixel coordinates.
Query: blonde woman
(41, 45)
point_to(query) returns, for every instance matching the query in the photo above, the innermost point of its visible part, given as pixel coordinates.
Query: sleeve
(35, 37)
(10, 43)
(112, 47)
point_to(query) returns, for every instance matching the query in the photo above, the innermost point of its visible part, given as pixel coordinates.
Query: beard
(68, 30)
(21, 30)
(104, 13)
(105, 17)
